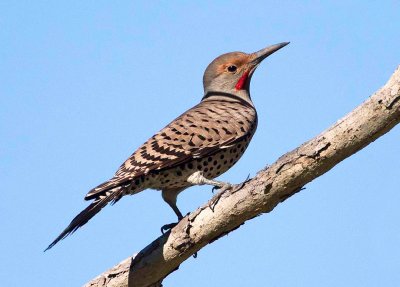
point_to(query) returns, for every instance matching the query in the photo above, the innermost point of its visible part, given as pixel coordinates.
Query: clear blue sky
(84, 83)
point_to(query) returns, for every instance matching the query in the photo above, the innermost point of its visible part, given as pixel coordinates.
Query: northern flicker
(193, 149)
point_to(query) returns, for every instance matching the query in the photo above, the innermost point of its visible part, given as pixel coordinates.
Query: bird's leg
(166, 227)
(169, 196)
(199, 179)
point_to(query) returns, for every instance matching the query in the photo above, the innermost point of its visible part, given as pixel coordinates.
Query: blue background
(84, 83)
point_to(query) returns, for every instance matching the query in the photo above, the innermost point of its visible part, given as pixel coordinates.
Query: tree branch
(271, 186)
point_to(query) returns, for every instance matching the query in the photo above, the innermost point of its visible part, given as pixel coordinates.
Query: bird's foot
(199, 179)
(167, 227)
(240, 185)
(223, 188)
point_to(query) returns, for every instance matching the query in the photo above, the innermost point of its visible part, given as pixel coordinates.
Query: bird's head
(231, 72)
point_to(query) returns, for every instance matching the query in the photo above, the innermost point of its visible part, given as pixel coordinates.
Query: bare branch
(372, 119)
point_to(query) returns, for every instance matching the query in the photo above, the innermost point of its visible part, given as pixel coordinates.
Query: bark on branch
(271, 186)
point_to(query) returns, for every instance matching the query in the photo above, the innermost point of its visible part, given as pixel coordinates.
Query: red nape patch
(242, 81)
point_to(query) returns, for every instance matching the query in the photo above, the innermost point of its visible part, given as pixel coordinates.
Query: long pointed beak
(264, 53)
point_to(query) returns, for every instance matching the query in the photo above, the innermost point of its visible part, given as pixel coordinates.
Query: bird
(196, 147)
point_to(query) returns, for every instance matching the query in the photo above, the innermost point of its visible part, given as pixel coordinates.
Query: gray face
(232, 72)
(224, 73)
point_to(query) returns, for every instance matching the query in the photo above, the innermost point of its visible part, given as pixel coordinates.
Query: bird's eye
(232, 68)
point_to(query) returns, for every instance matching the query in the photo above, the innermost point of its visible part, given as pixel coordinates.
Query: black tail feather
(85, 215)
